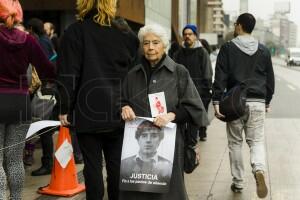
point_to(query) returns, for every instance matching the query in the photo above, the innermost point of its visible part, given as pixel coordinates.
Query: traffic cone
(63, 180)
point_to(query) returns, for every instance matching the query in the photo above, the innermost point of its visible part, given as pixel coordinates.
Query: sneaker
(236, 189)
(261, 187)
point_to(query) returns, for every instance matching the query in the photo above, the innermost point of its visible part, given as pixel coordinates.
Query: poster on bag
(147, 157)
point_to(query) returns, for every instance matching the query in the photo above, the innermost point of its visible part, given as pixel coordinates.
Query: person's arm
(190, 100)
(69, 69)
(126, 112)
(221, 75)
(220, 82)
(163, 120)
(181, 115)
(207, 74)
(270, 83)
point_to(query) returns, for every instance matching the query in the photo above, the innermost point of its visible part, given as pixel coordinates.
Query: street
(212, 179)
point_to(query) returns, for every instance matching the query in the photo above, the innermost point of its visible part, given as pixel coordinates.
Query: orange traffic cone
(63, 180)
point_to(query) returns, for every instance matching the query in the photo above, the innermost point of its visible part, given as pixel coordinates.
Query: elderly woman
(159, 73)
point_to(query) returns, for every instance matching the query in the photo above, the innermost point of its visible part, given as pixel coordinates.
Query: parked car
(293, 57)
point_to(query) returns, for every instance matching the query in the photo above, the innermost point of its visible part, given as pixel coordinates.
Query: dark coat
(174, 80)
(92, 62)
(197, 61)
(234, 67)
(171, 78)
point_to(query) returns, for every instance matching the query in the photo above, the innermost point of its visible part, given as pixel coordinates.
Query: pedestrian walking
(17, 49)
(95, 55)
(196, 59)
(243, 60)
(159, 73)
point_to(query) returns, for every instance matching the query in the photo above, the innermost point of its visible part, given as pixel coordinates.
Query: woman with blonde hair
(17, 50)
(95, 55)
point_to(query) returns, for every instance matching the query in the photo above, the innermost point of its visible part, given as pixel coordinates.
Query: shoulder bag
(191, 160)
(233, 102)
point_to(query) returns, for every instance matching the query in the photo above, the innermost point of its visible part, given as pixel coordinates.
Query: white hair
(157, 30)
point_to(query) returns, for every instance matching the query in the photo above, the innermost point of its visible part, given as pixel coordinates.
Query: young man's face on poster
(149, 141)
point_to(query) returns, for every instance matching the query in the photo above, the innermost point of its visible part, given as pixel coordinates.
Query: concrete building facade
(293, 34)
(243, 6)
(171, 14)
(214, 17)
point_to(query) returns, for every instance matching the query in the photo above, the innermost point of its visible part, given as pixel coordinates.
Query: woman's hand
(64, 120)
(127, 113)
(163, 120)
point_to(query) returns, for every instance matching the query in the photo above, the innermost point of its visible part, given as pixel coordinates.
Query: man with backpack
(243, 60)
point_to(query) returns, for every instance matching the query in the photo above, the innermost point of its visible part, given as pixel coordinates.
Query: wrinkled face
(189, 37)
(153, 48)
(149, 141)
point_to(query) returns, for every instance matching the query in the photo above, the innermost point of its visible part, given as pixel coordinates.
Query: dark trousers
(92, 145)
(47, 147)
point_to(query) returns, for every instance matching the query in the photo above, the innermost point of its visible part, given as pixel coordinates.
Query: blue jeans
(252, 123)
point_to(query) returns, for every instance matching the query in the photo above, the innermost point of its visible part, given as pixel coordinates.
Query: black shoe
(203, 139)
(236, 189)
(41, 171)
(261, 187)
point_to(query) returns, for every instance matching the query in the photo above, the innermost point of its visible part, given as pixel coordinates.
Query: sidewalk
(212, 179)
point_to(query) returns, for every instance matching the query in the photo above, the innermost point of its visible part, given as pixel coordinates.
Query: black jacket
(234, 67)
(172, 79)
(92, 62)
(197, 61)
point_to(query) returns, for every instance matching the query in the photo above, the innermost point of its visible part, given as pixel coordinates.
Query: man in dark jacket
(244, 60)
(196, 59)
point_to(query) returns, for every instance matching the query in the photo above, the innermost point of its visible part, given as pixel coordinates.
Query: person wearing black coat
(159, 73)
(94, 58)
(196, 59)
